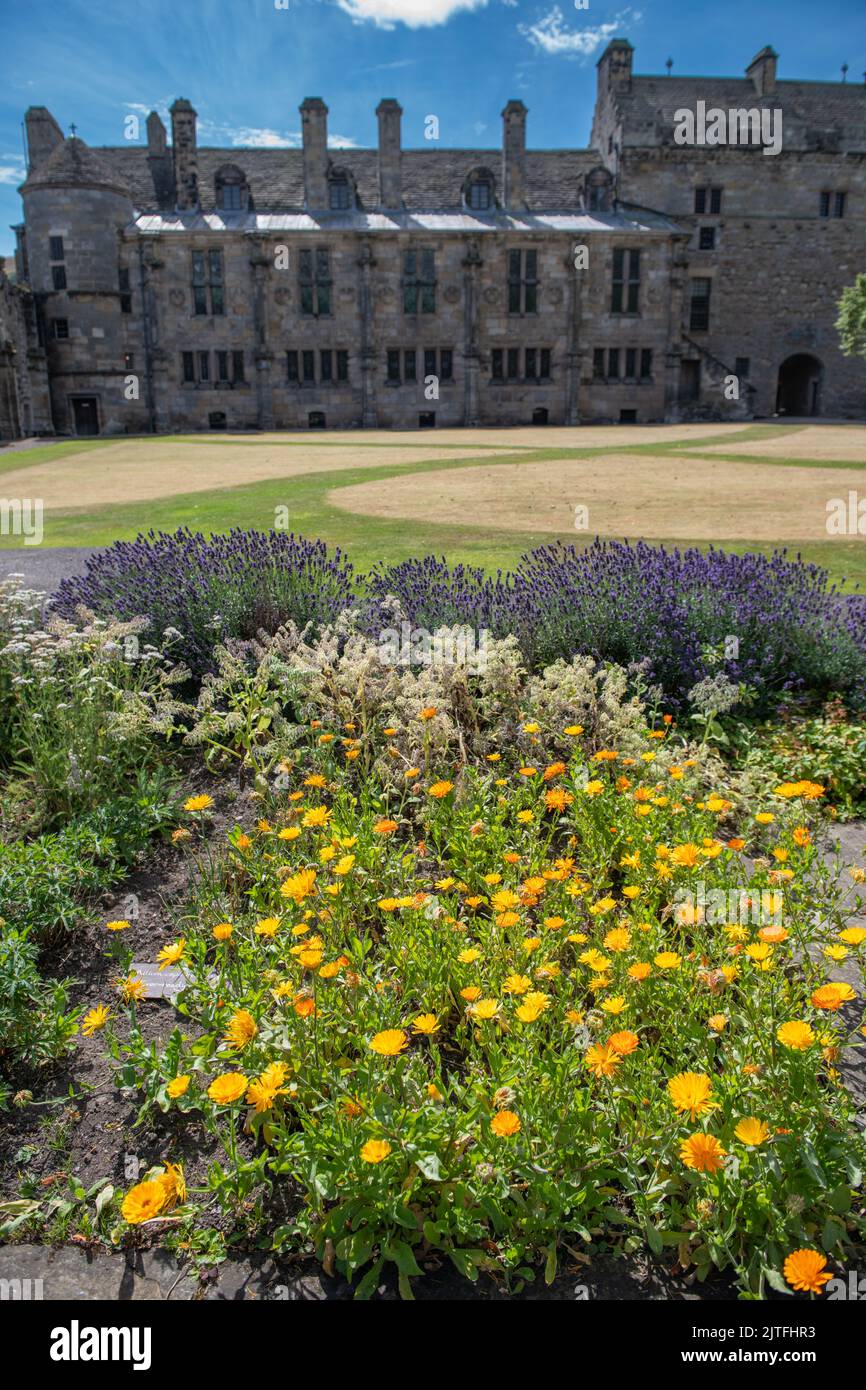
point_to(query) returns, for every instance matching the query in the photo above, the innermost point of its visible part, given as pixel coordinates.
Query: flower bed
(497, 966)
(512, 1008)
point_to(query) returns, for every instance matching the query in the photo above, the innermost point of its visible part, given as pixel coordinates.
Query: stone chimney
(43, 135)
(762, 71)
(156, 136)
(514, 155)
(185, 154)
(390, 113)
(314, 126)
(614, 67)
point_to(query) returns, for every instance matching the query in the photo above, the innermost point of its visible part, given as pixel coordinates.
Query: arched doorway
(799, 390)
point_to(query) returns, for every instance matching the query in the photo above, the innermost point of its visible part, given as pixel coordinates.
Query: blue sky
(247, 64)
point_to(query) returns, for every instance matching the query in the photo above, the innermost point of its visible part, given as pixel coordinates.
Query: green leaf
(840, 1199)
(654, 1240)
(402, 1255)
(104, 1198)
(467, 1261)
(550, 1266)
(775, 1280)
(428, 1165)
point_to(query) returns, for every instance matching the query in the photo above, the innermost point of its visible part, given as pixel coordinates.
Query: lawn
(354, 491)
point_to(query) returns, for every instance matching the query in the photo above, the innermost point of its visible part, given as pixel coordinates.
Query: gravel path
(43, 567)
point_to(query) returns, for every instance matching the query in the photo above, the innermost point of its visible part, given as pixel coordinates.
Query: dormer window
(232, 189)
(479, 191)
(339, 193)
(598, 190)
(480, 197)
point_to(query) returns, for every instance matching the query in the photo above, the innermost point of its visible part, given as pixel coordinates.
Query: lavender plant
(212, 588)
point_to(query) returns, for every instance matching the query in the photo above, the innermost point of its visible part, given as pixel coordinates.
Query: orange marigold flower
(440, 789)
(505, 1124)
(703, 1153)
(806, 1271)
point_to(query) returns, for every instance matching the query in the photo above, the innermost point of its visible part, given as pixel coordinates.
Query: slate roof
(814, 114)
(74, 162)
(431, 178)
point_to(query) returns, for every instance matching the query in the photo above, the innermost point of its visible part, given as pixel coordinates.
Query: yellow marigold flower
(691, 1093)
(268, 926)
(624, 1042)
(853, 936)
(170, 955)
(686, 855)
(143, 1202)
(227, 1088)
(602, 1060)
(759, 951)
(120, 925)
(440, 789)
(765, 818)
(469, 956)
(95, 1020)
(289, 832)
(131, 989)
(434, 1093)
(375, 1150)
(198, 803)
(222, 931)
(470, 993)
(752, 1131)
(505, 1124)
(554, 923)
(832, 995)
(316, 816)
(703, 1153)
(806, 1271)
(389, 1043)
(618, 939)
(299, 886)
(603, 905)
(344, 865)
(241, 1029)
(640, 970)
(507, 919)
(631, 891)
(573, 730)
(263, 1096)
(178, 1087)
(797, 1035)
(718, 1022)
(615, 1005)
(425, 1024)
(485, 1009)
(593, 788)
(516, 984)
(173, 1185)
(503, 899)
(668, 960)
(528, 1013)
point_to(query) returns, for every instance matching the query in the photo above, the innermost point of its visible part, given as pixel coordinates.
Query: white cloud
(250, 137)
(415, 14)
(552, 36)
(13, 172)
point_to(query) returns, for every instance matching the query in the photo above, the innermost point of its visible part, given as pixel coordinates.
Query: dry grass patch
(674, 498)
(140, 470)
(843, 442)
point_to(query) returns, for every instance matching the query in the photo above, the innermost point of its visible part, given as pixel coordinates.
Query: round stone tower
(75, 209)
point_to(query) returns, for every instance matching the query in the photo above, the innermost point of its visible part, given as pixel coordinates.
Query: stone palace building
(178, 287)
